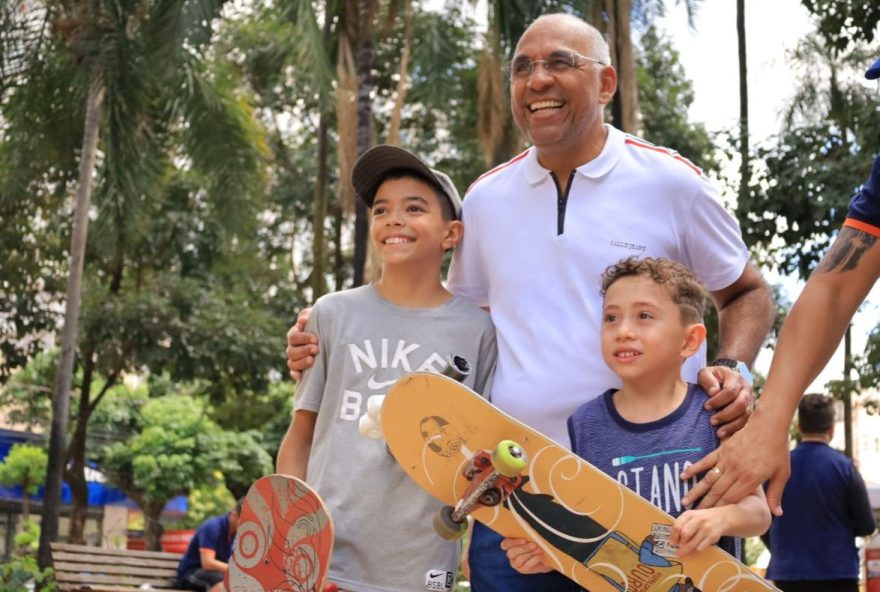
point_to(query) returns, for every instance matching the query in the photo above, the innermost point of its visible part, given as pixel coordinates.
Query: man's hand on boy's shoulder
(302, 347)
(730, 394)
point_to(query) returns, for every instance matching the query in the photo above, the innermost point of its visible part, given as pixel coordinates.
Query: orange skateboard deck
(284, 539)
(592, 529)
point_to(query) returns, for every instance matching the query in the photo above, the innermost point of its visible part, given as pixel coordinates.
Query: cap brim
(874, 71)
(374, 164)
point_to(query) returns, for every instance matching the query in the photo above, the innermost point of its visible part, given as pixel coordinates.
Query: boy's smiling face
(407, 224)
(643, 334)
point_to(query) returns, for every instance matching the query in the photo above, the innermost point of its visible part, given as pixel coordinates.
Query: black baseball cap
(874, 71)
(374, 165)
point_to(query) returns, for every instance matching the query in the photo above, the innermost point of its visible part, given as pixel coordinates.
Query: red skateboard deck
(284, 539)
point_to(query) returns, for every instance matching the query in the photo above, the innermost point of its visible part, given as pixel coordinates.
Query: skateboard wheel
(509, 458)
(446, 527)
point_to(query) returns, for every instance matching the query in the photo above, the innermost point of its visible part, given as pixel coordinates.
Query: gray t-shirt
(385, 540)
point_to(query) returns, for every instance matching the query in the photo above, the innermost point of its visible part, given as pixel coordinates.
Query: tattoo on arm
(847, 250)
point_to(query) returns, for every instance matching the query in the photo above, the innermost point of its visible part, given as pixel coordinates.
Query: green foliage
(868, 369)
(22, 574)
(177, 450)
(752, 549)
(171, 455)
(28, 539)
(665, 95)
(211, 499)
(27, 395)
(442, 93)
(799, 198)
(208, 501)
(843, 22)
(267, 412)
(25, 465)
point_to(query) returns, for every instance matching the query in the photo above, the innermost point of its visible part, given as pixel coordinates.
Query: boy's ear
(454, 232)
(695, 335)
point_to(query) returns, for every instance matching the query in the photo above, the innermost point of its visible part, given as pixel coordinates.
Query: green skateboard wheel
(509, 458)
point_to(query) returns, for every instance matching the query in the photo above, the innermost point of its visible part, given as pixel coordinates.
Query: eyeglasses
(559, 62)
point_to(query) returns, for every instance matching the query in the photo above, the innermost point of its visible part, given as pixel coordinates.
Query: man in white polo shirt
(540, 230)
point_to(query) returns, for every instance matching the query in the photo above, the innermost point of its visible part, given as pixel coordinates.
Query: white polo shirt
(543, 287)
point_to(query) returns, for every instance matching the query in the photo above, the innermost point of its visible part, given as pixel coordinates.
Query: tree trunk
(338, 257)
(25, 501)
(152, 526)
(76, 471)
(402, 81)
(366, 15)
(64, 378)
(624, 106)
(744, 168)
(319, 286)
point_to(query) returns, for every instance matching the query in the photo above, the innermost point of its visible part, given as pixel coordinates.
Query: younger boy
(645, 433)
(371, 336)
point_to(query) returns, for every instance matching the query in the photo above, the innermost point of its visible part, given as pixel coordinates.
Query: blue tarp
(100, 494)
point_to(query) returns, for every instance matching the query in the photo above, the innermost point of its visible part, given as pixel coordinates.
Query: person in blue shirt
(203, 566)
(812, 545)
(809, 336)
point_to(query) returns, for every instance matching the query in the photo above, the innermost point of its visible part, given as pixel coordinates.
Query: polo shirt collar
(598, 167)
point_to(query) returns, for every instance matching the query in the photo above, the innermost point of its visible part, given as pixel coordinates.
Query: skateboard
(486, 464)
(284, 539)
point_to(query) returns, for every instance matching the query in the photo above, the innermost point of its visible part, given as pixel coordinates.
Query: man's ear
(608, 84)
(695, 335)
(454, 232)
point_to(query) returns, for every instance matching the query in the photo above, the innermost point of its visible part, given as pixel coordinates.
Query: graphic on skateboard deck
(480, 461)
(284, 539)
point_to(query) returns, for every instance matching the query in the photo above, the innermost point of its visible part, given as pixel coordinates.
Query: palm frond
(222, 138)
(307, 45)
(24, 36)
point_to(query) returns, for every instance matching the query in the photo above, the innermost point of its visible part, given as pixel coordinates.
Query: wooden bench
(79, 568)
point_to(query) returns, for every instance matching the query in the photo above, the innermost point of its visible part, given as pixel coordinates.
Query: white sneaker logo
(373, 385)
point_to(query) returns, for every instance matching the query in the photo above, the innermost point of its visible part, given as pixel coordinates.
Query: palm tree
(744, 176)
(138, 66)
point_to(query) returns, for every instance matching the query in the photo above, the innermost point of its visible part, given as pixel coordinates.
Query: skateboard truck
(457, 368)
(493, 476)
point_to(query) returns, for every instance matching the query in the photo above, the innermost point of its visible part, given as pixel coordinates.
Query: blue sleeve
(861, 513)
(209, 535)
(864, 209)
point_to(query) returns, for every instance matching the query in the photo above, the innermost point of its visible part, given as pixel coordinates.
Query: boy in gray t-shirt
(370, 336)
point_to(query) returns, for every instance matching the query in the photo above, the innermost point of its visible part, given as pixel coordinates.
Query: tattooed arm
(808, 338)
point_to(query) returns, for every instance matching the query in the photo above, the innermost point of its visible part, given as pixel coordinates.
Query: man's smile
(546, 104)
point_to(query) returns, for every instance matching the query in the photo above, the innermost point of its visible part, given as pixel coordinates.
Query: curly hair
(686, 291)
